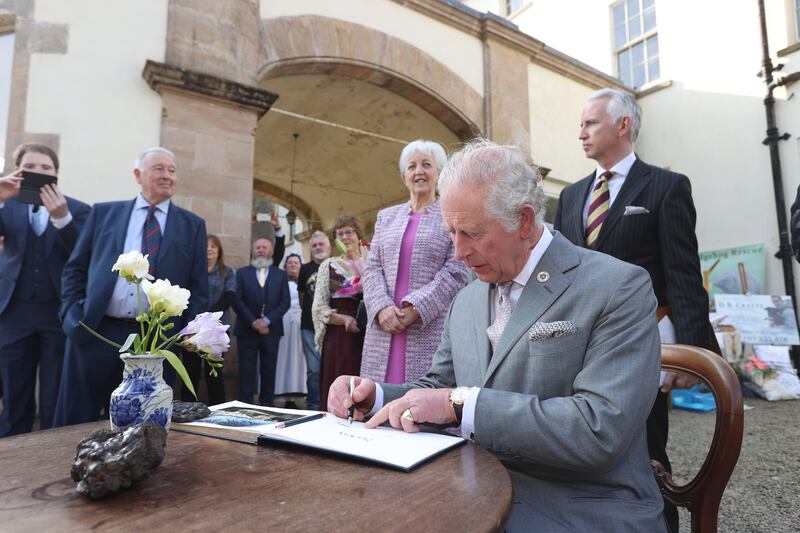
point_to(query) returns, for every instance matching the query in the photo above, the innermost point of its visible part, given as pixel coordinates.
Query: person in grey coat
(550, 359)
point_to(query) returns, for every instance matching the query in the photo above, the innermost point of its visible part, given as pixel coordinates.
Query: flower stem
(139, 304)
(112, 343)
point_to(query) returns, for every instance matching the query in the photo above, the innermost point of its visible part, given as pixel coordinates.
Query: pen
(352, 408)
(296, 421)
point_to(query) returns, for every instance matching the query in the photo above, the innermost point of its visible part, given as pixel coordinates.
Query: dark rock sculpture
(188, 411)
(109, 460)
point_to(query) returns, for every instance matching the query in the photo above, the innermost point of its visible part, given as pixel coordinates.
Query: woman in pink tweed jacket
(411, 275)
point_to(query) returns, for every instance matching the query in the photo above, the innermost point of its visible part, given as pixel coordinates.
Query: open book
(263, 425)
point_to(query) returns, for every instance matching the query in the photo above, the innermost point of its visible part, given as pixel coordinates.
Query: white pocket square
(634, 210)
(549, 330)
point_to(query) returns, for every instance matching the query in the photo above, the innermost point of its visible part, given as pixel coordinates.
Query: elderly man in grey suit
(550, 359)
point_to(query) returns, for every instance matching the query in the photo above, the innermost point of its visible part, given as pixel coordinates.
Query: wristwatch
(457, 398)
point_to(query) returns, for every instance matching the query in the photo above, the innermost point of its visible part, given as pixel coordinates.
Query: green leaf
(90, 330)
(127, 344)
(167, 327)
(176, 363)
(340, 245)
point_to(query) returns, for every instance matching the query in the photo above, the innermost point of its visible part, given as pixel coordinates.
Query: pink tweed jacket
(436, 277)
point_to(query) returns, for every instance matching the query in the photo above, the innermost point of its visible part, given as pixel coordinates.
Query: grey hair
(621, 104)
(320, 235)
(510, 180)
(432, 149)
(153, 150)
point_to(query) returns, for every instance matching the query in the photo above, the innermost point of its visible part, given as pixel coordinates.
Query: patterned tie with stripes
(151, 238)
(598, 209)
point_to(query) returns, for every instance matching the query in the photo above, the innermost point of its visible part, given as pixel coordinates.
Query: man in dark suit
(104, 301)
(643, 215)
(38, 242)
(262, 298)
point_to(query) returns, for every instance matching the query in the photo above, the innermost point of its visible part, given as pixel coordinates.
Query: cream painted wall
(716, 105)
(556, 104)
(461, 52)
(94, 96)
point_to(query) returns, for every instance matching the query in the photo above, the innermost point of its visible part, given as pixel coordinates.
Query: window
(513, 5)
(797, 18)
(636, 41)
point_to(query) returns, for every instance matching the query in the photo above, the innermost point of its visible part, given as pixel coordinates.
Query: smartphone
(31, 185)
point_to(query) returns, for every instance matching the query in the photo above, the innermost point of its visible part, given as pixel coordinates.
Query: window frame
(630, 43)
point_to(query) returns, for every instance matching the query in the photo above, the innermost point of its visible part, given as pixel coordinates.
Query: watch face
(459, 395)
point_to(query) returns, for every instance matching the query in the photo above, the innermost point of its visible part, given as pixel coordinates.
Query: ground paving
(763, 495)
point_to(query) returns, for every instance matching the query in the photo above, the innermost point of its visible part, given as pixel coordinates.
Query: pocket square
(634, 210)
(549, 330)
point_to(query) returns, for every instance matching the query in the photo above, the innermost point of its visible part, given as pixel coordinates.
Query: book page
(242, 417)
(383, 444)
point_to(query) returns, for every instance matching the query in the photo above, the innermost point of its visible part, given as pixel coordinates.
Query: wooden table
(207, 484)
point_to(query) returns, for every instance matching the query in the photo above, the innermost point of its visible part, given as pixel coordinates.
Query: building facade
(694, 67)
(226, 85)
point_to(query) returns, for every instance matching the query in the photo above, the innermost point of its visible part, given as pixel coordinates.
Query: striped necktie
(151, 238)
(598, 209)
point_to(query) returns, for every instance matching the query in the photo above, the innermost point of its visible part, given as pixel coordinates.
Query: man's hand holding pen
(363, 397)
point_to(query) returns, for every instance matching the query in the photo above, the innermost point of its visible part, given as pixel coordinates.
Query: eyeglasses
(345, 233)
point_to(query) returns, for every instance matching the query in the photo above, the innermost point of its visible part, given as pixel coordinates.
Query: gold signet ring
(408, 416)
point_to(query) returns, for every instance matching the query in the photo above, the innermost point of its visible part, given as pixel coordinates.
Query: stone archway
(392, 89)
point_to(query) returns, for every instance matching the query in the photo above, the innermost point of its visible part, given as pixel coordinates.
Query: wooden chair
(702, 495)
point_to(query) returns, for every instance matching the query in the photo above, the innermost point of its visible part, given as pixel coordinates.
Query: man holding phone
(40, 233)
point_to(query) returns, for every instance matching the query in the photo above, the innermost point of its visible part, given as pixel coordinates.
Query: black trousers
(196, 367)
(262, 352)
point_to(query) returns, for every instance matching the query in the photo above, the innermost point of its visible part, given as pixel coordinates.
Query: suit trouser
(92, 370)
(312, 368)
(657, 433)
(30, 337)
(196, 367)
(261, 351)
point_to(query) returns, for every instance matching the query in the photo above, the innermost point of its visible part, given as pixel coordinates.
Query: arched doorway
(353, 116)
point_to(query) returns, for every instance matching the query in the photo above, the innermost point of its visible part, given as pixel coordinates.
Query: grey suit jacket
(565, 414)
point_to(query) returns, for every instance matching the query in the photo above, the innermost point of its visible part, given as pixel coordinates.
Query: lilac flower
(206, 334)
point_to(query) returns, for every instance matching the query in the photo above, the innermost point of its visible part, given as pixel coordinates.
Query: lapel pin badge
(542, 276)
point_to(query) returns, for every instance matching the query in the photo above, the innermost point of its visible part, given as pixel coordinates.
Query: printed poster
(761, 319)
(739, 270)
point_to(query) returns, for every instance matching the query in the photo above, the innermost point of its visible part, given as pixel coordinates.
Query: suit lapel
(576, 229)
(536, 297)
(637, 179)
(173, 220)
(480, 316)
(22, 222)
(122, 229)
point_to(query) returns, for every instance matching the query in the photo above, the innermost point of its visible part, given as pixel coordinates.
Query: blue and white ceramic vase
(143, 396)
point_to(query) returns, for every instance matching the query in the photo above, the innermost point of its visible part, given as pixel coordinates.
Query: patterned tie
(502, 314)
(151, 238)
(38, 220)
(598, 209)
(262, 276)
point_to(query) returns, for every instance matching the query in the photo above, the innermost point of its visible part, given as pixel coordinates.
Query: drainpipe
(771, 140)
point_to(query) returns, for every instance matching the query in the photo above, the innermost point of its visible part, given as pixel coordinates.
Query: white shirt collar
(141, 203)
(622, 168)
(538, 251)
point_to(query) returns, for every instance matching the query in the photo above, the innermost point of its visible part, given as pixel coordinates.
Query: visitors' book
(386, 446)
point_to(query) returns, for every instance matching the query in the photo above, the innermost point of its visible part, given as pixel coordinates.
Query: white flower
(132, 266)
(173, 299)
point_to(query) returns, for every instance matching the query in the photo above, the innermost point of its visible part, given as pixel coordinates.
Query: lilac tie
(502, 314)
